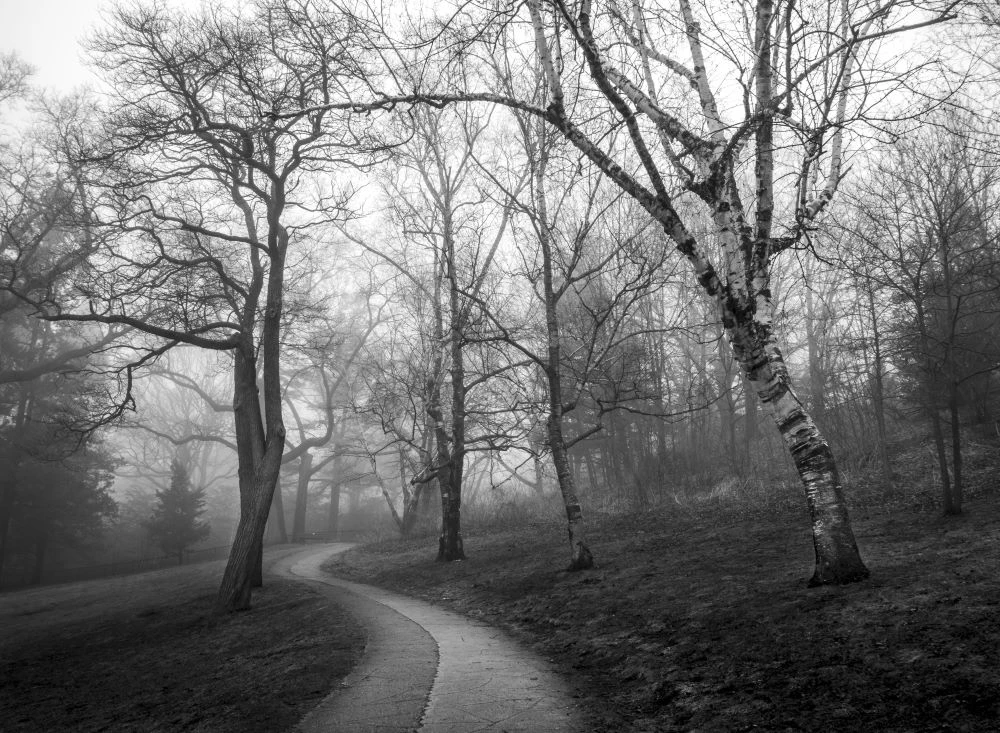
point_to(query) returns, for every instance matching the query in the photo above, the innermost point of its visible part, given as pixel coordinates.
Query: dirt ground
(146, 653)
(703, 623)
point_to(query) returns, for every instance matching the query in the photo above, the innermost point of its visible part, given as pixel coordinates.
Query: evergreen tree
(174, 523)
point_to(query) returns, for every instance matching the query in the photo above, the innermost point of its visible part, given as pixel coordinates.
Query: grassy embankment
(696, 618)
(146, 653)
(699, 618)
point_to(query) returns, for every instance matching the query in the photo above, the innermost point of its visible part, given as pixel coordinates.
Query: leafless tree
(206, 188)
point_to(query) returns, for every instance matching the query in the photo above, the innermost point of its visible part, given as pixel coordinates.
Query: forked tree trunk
(259, 466)
(243, 569)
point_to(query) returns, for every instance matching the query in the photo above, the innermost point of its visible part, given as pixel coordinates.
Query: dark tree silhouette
(175, 523)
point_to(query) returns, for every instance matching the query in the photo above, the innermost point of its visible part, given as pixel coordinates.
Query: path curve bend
(430, 670)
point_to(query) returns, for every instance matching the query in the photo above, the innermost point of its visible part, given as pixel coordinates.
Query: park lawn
(147, 653)
(702, 620)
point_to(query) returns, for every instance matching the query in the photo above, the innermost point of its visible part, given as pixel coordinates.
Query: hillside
(146, 653)
(702, 621)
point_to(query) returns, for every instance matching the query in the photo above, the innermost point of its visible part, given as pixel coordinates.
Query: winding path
(430, 670)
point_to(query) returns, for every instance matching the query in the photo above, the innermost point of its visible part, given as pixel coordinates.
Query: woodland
(305, 269)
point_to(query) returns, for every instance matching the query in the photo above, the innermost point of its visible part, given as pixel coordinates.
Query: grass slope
(146, 653)
(704, 623)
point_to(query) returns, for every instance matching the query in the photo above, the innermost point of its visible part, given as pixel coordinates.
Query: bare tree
(439, 205)
(205, 187)
(796, 72)
(922, 231)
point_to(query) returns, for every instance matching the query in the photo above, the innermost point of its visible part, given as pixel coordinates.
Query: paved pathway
(426, 669)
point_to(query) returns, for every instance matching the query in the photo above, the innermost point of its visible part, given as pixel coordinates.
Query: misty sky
(47, 34)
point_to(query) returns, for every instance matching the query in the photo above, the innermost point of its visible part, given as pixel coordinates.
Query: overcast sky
(47, 34)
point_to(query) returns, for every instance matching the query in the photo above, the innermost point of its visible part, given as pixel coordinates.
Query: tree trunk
(536, 463)
(333, 515)
(580, 555)
(942, 456)
(301, 498)
(451, 442)
(878, 388)
(450, 544)
(817, 370)
(837, 558)
(259, 466)
(277, 530)
(953, 504)
(956, 451)
(931, 372)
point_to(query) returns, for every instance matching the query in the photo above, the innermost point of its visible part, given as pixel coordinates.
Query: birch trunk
(817, 372)
(580, 556)
(837, 558)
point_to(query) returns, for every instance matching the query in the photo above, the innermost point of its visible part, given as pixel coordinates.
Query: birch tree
(706, 112)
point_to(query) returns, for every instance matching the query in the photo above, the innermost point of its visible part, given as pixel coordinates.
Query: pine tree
(174, 523)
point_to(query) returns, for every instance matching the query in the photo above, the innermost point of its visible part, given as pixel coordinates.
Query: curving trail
(426, 669)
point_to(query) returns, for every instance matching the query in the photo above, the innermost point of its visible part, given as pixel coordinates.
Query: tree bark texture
(837, 558)
(450, 544)
(580, 555)
(259, 467)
